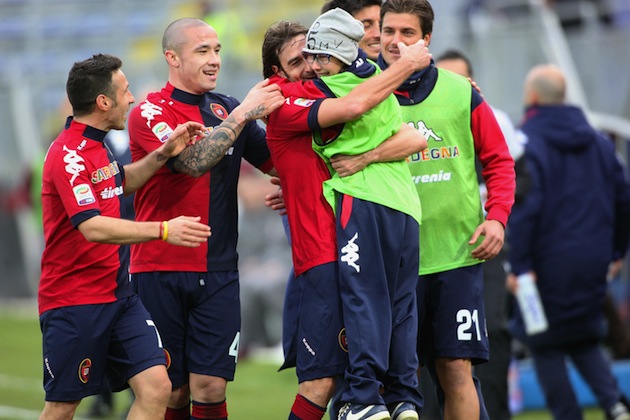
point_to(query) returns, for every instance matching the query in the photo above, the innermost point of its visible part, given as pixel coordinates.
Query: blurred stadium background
(41, 39)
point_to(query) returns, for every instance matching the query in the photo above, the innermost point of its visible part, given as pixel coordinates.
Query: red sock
(215, 411)
(303, 409)
(178, 413)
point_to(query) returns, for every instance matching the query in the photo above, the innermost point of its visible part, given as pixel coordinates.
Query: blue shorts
(199, 318)
(313, 335)
(452, 318)
(82, 344)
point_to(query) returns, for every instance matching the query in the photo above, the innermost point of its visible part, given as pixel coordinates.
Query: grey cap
(336, 33)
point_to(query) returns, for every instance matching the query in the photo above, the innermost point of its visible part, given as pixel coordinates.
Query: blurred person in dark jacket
(573, 225)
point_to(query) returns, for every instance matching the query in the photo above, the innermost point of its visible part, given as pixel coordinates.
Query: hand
(181, 137)
(418, 54)
(511, 281)
(475, 86)
(261, 100)
(275, 200)
(494, 235)
(187, 231)
(614, 268)
(346, 165)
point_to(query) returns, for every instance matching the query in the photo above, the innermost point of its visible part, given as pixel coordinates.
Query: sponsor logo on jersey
(351, 253)
(74, 163)
(85, 368)
(105, 173)
(303, 102)
(427, 132)
(219, 111)
(148, 111)
(343, 340)
(110, 192)
(432, 153)
(430, 178)
(83, 194)
(162, 131)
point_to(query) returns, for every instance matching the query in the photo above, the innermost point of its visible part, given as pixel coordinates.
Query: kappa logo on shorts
(219, 111)
(343, 340)
(351, 253)
(85, 368)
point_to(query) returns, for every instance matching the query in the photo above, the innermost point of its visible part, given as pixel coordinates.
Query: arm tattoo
(207, 152)
(255, 113)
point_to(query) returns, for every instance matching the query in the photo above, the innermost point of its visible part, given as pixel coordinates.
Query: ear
(171, 58)
(427, 39)
(275, 69)
(103, 102)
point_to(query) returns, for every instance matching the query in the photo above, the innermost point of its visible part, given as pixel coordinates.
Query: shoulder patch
(304, 102)
(162, 130)
(83, 194)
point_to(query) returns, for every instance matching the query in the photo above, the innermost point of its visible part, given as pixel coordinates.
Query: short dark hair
(88, 79)
(276, 36)
(350, 6)
(454, 54)
(420, 8)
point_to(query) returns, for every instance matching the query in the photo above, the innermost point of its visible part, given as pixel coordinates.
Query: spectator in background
(91, 321)
(201, 328)
(572, 226)
(493, 376)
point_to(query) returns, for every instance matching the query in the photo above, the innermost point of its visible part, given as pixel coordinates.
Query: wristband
(164, 230)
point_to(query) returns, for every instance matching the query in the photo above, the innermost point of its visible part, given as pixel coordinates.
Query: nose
(396, 38)
(214, 58)
(375, 32)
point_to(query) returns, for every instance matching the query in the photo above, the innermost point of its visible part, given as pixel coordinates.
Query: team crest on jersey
(303, 102)
(343, 340)
(219, 111)
(162, 131)
(83, 194)
(168, 358)
(85, 368)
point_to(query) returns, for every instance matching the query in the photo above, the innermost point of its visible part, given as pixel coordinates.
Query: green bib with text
(444, 175)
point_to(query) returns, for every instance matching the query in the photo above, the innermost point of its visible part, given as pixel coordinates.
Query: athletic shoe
(363, 412)
(618, 412)
(404, 411)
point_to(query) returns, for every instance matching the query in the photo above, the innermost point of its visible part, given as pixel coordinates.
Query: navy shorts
(313, 334)
(84, 344)
(452, 318)
(199, 318)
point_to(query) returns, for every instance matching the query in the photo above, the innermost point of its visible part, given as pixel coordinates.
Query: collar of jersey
(187, 98)
(86, 130)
